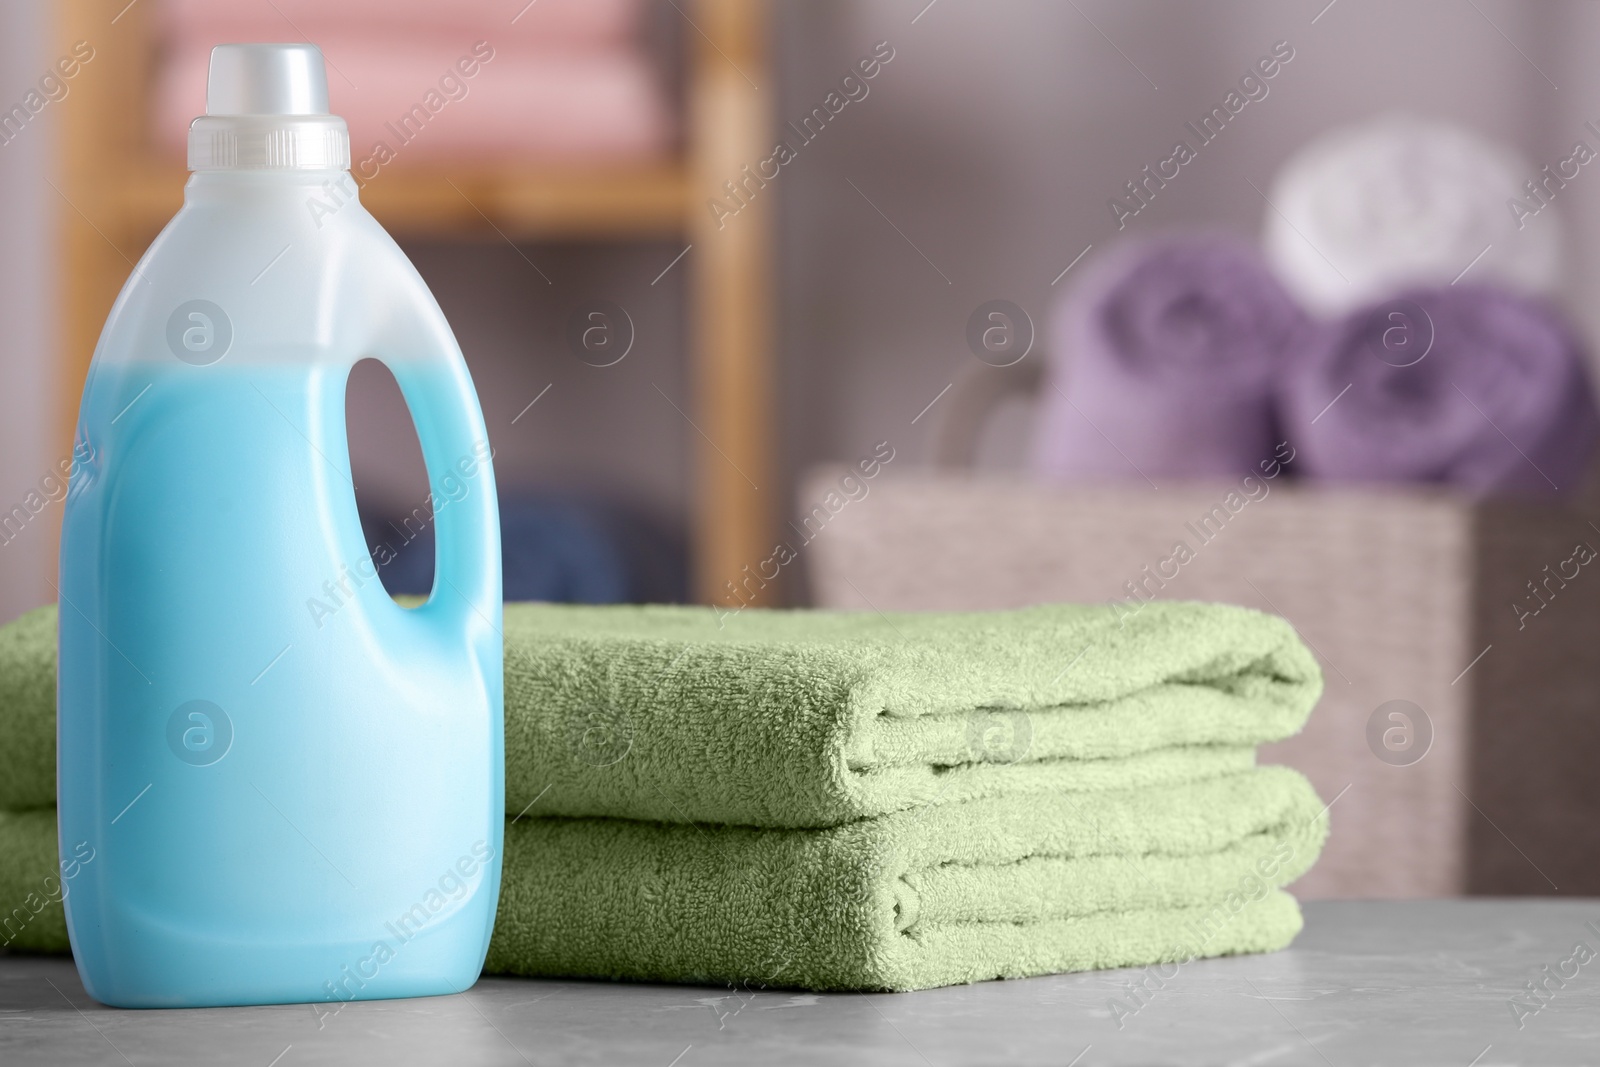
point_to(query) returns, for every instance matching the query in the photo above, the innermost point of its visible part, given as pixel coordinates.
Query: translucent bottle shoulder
(253, 285)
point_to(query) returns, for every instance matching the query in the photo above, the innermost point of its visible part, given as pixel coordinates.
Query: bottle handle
(466, 513)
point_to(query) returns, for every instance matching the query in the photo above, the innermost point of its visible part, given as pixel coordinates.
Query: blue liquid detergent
(292, 786)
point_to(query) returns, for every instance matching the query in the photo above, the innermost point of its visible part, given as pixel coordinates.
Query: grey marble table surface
(1414, 983)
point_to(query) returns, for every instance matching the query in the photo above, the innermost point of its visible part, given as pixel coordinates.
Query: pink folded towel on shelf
(554, 81)
(565, 23)
(446, 96)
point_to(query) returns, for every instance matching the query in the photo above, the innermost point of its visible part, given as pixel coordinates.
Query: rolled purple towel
(1164, 363)
(1471, 386)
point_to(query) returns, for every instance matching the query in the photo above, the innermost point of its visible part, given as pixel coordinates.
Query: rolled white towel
(1366, 210)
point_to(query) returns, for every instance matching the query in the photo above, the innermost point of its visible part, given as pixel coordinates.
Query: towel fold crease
(840, 801)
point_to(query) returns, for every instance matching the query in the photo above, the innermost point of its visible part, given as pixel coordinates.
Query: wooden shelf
(116, 194)
(522, 202)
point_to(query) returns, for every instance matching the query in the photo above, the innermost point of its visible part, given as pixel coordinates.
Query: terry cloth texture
(995, 888)
(805, 718)
(838, 801)
(28, 711)
(31, 884)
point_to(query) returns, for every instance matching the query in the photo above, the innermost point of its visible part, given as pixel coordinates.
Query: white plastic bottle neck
(292, 196)
(267, 109)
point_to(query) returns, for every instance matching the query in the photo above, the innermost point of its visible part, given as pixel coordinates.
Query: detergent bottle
(290, 786)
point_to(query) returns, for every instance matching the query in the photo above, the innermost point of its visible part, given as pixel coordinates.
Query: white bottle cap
(267, 108)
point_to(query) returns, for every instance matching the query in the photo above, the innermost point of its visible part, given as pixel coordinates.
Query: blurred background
(873, 304)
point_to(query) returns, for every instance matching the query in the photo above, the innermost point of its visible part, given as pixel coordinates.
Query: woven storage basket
(1404, 595)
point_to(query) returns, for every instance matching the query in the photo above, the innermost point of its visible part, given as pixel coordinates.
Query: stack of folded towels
(1398, 328)
(843, 801)
(557, 81)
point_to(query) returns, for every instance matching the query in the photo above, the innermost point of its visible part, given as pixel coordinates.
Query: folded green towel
(803, 718)
(806, 718)
(991, 888)
(28, 711)
(31, 882)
